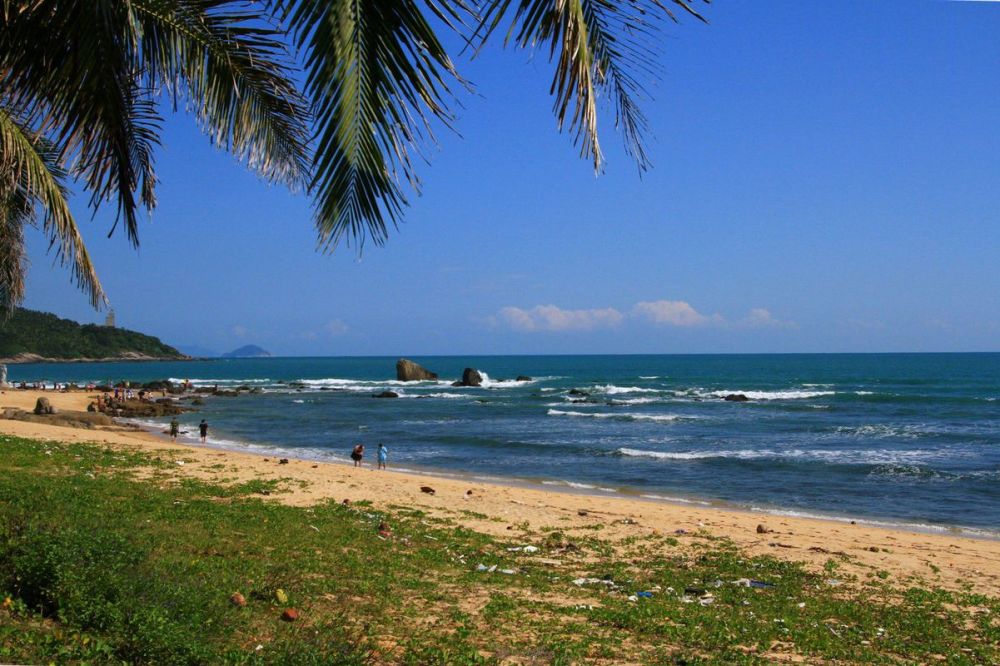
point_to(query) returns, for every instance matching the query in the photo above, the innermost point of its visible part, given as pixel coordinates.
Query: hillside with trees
(33, 336)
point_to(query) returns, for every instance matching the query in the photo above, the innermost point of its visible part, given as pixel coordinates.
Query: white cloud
(336, 327)
(552, 318)
(762, 318)
(673, 313)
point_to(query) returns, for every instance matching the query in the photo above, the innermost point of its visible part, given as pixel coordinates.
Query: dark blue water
(910, 438)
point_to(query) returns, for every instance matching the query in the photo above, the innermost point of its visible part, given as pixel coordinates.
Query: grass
(99, 564)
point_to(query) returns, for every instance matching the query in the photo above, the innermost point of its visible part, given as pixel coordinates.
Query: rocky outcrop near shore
(470, 377)
(64, 418)
(408, 371)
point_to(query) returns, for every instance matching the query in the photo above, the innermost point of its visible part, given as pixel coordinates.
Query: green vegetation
(44, 334)
(99, 566)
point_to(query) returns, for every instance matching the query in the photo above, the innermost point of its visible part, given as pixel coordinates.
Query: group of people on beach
(358, 454)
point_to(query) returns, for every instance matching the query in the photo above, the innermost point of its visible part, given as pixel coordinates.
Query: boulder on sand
(43, 406)
(408, 371)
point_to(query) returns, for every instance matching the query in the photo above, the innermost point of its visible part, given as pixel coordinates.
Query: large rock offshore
(408, 371)
(471, 377)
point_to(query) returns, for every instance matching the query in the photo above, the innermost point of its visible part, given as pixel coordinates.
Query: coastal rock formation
(523, 378)
(138, 408)
(736, 397)
(43, 406)
(66, 418)
(578, 392)
(386, 394)
(471, 377)
(408, 371)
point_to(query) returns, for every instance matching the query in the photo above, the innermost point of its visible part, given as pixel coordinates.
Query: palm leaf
(379, 78)
(72, 69)
(600, 47)
(30, 178)
(235, 74)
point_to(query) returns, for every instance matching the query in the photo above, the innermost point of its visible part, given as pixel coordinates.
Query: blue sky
(825, 180)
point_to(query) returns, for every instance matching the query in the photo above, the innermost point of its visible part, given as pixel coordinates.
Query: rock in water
(408, 371)
(386, 394)
(471, 377)
(523, 378)
(43, 406)
(736, 397)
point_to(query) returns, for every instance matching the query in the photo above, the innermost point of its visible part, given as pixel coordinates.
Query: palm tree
(83, 83)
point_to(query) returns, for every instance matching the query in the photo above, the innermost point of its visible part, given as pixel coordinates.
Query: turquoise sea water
(900, 438)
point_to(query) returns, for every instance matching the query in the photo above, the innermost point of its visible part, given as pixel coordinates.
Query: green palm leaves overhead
(87, 81)
(339, 97)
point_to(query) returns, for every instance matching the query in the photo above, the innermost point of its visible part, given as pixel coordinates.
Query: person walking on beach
(203, 429)
(174, 428)
(357, 454)
(383, 453)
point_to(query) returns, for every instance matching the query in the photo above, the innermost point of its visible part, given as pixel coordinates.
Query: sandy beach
(911, 558)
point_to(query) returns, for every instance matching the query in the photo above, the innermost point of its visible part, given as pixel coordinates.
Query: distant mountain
(247, 351)
(30, 336)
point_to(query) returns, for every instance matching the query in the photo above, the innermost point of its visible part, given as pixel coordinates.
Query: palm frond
(235, 73)
(72, 69)
(31, 179)
(379, 78)
(600, 47)
(15, 213)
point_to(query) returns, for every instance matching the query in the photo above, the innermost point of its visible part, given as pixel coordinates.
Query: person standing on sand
(174, 428)
(383, 453)
(357, 454)
(203, 428)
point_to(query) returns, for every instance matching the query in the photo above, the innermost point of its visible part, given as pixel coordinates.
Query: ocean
(900, 439)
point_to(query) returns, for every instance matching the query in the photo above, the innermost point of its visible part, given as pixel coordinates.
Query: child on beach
(174, 428)
(383, 453)
(357, 454)
(203, 428)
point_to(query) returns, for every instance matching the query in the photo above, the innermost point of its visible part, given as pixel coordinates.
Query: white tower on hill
(109, 321)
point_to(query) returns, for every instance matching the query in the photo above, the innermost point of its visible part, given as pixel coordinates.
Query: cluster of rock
(46, 412)
(408, 371)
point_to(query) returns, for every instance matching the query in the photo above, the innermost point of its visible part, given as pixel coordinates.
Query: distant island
(32, 337)
(247, 351)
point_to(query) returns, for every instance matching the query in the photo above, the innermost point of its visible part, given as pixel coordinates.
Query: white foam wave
(624, 415)
(443, 396)
(578, 485)
(682, 500)
(881, 431)
(835, 456)
(790, 394)
(221, 382)
(633, 401)
(611, 389)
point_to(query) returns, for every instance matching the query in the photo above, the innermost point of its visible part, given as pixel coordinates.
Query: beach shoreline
(563, 486)
(499, 507)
